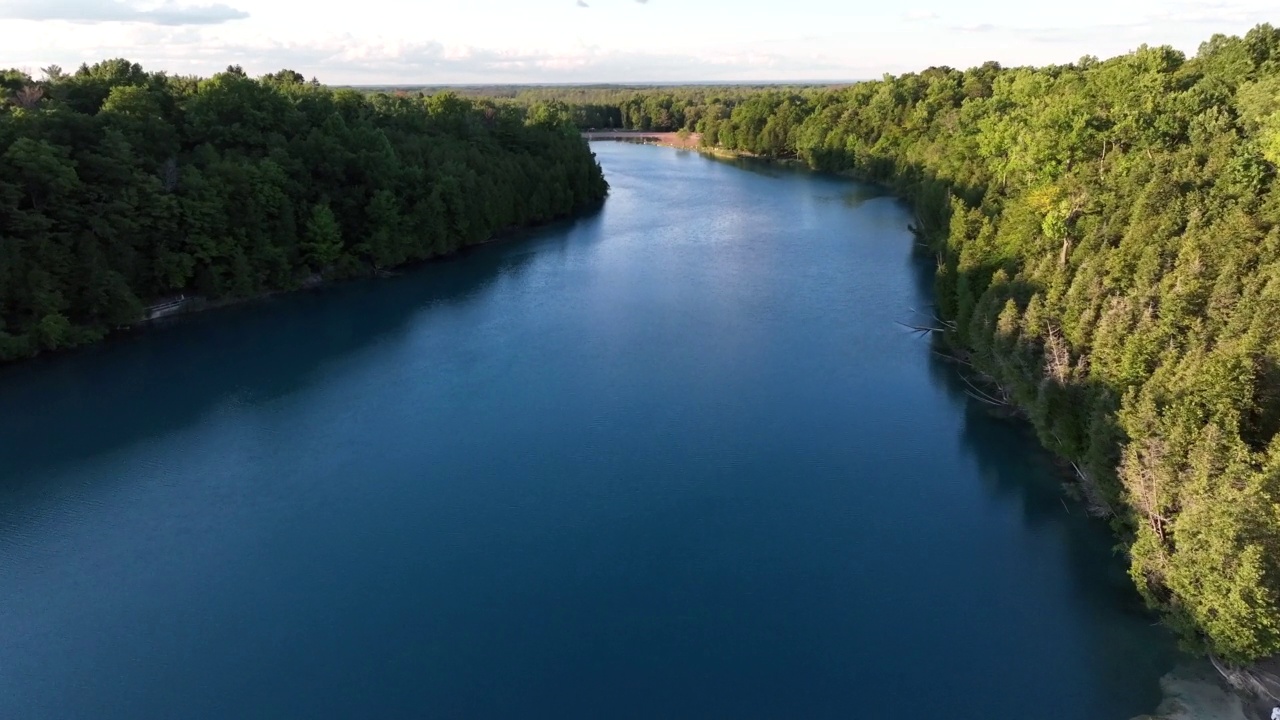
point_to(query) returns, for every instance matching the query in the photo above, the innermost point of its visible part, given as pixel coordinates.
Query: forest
(1107, 240)
(121, 189)
(657, 108)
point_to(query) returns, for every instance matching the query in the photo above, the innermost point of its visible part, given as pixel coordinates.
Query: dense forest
(1107, 237)
(121, 188)
(623, 107)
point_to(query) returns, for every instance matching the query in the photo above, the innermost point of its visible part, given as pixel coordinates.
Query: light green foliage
(552, 114)
(323, 239)
(1260, 110)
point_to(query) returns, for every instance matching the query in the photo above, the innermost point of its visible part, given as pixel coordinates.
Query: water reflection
(60, 410)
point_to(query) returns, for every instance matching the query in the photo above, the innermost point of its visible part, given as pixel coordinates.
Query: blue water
(672, 460)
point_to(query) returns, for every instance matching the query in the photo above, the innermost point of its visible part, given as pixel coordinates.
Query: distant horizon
(588, 42)
(623, 84)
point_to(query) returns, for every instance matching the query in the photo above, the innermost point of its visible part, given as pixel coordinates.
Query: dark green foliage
(120, 188)
(603, 107)
(1108, 244)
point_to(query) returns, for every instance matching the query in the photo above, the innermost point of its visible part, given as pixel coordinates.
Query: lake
(672, 460)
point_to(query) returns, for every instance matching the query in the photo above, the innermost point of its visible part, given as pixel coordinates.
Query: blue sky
(457, 41)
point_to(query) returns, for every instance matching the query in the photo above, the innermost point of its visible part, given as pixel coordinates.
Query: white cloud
(920, 16)
(977, 28)
(98, 11)
(504, 41)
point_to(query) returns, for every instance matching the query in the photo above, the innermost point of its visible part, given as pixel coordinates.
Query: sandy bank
(688, 141)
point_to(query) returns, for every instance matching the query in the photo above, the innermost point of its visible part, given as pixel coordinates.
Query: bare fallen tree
(939, 325)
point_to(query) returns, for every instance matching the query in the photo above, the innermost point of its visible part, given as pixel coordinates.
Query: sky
(562, 41)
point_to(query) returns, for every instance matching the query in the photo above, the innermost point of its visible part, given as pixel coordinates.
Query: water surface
(674, 460)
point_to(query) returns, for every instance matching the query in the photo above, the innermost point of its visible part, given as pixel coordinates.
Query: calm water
(674, 460)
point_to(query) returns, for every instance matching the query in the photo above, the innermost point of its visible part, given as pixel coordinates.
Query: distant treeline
(621, 107)
(120, 188)
(1107, 236)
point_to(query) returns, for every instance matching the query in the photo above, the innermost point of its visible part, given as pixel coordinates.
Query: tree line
(658, 108)
(1107, 239)
(120, 188)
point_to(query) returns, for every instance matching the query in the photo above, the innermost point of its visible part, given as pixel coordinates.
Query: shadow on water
(60, 410)
(761, 166)
(1014, 466)
(854, 197)
(849, 193)
(1033, 476)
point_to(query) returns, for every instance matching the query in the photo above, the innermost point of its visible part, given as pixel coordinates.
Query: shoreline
(198, 305)
(691, 141)
(682, 141)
